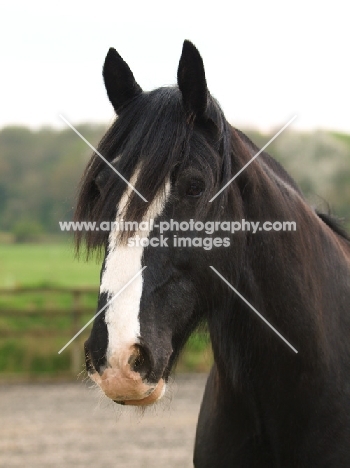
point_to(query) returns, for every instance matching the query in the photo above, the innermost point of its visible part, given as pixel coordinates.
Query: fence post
(76, 352)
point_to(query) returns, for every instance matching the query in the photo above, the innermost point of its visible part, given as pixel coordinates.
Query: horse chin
(156, 395)
(130, 390)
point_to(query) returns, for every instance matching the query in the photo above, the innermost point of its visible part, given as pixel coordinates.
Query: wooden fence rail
(74, 313)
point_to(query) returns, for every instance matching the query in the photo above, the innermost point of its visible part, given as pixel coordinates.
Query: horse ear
(119, 80)
(191, 80)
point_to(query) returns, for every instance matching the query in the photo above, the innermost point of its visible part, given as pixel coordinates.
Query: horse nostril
(139, 361)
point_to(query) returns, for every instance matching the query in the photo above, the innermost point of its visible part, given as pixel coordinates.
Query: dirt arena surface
(71, 425)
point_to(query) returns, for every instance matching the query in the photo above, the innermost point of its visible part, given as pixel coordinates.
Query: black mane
(335, 224)
(331, 221)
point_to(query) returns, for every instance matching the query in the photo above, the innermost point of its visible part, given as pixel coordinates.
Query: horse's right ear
(119, 80)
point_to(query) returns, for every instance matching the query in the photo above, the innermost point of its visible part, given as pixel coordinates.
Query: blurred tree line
(39, 174)
(40, 171)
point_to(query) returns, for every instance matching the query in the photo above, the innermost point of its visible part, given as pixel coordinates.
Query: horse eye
(195, 189)
(99, 181)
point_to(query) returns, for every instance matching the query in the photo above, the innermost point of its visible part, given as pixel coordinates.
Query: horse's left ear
(191, 80)
(120, 83)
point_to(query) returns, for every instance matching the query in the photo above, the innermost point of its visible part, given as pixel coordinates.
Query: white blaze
(122, 263)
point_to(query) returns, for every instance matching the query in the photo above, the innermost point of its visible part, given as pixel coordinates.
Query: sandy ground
(71, 425)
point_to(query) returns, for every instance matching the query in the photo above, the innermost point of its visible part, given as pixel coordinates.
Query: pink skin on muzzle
(122, 385)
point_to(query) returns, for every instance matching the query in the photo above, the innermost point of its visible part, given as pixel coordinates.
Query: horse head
(174, 147)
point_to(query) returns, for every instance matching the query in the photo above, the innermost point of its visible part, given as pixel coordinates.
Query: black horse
(264, 404)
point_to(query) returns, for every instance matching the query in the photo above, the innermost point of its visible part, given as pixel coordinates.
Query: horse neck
(291, 278)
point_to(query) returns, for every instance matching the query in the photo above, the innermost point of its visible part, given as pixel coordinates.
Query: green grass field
(45, 265)
(30, 339)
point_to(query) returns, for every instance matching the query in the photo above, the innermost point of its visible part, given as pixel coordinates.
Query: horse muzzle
(125, 378)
